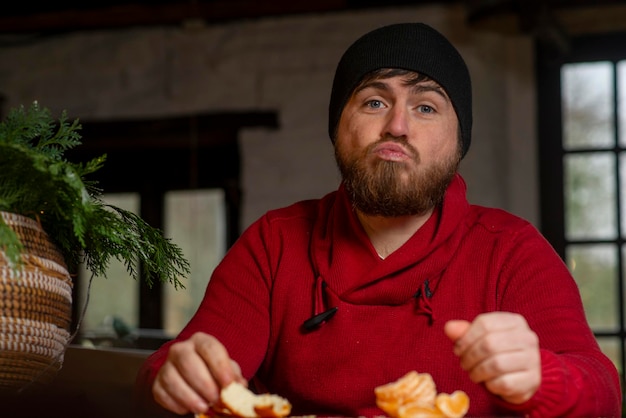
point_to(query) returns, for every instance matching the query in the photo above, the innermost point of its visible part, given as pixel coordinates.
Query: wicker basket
(35, 309)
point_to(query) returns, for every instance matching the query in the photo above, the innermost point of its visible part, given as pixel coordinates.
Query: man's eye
(425, 109)
(375, 104)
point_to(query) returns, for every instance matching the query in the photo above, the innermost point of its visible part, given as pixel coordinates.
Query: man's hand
(193, 374)
(501, 351)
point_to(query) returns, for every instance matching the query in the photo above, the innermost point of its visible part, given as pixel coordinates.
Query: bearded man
(325, 300)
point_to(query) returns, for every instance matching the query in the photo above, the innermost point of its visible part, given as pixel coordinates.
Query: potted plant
(52, 216)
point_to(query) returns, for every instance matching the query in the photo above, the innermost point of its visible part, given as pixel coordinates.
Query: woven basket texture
(35, 309)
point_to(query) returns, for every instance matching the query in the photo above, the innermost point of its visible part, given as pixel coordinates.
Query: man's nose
(397, 123)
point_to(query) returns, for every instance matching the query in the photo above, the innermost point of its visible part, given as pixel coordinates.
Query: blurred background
(212, 112)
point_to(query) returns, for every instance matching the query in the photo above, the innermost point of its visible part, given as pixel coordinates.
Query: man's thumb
(456, 328)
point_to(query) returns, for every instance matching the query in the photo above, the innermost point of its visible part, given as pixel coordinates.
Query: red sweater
(314, 255)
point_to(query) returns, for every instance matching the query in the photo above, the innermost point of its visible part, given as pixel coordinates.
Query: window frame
(548, 62)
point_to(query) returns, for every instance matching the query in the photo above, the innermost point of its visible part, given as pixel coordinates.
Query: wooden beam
(207, 130)
(165, 13)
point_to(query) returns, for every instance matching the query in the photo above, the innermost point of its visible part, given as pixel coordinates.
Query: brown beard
(390, 188)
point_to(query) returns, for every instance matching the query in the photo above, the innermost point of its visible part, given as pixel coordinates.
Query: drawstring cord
(422, 299)
(320, 314)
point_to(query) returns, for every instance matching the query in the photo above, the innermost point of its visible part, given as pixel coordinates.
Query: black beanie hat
(409, 46)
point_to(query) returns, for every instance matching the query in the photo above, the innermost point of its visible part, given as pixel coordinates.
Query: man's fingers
(515, 388)
(223, 370)
(173, 392)
(500, 364)
(166, 401)
(495, 345)
(188, 362)
(499, 350)
(485, 324)
(193, 374)
(239, 377)
(456, 328)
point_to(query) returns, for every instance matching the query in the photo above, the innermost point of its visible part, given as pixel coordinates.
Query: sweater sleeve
(234, 309)
(577, 378)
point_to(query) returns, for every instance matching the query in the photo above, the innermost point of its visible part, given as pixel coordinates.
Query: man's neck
(387, 234)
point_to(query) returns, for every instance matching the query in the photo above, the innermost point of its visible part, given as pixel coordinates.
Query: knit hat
(410, 46)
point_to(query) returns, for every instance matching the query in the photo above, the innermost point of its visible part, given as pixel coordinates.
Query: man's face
(397, 145)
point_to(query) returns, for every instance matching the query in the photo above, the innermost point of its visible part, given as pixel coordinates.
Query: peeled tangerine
(414, 395)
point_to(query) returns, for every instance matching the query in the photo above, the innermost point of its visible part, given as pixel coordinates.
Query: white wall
(285, 65)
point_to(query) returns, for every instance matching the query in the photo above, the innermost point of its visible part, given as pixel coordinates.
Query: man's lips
(391, 151)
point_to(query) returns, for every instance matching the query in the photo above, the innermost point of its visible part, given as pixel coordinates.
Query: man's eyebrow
(428, 86)
(375, 84)
(421, 87)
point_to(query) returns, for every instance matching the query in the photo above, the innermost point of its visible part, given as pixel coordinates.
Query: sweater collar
(347, 264)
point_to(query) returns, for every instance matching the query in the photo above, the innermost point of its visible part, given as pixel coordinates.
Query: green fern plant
(36, 180)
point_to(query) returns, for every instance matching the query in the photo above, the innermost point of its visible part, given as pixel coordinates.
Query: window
(115, 298)
(180, 175)
(582, 134)
(195, 220)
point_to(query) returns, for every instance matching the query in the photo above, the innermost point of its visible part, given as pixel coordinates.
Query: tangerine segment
(454, 405)
(419, 410)
(390, 407)
(394, 390)
(424, 392)
(410, 387)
